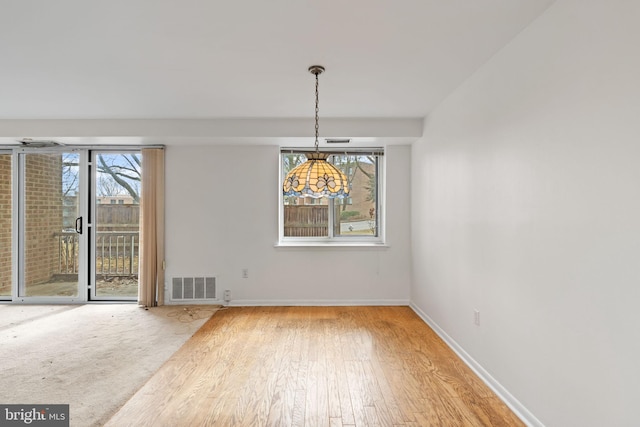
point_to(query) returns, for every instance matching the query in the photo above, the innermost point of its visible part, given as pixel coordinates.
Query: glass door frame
(4, 151)
(19, 232)
(93, 173)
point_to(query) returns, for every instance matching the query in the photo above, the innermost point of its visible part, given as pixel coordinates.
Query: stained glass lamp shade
(316, 178)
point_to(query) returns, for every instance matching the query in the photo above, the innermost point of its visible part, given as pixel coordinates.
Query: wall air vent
(338, 140)
(193, 288)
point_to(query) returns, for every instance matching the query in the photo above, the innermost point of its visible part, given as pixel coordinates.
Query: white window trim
(378, 241)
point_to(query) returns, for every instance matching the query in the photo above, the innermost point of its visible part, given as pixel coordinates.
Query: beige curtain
(151, 287)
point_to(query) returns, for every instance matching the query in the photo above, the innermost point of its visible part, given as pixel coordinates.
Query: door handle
(79, 225)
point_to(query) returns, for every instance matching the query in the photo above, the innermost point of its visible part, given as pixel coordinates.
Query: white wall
(526, 206)
(222, 216)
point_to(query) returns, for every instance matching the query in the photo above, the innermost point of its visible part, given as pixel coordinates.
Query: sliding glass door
(116, 225)
(6, 221)
(52, 226)
(77, 234)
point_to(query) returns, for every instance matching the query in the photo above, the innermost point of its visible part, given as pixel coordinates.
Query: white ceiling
(204, 59)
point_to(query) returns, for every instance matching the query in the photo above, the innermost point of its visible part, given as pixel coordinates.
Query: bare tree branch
(371, 160)
(119, 178)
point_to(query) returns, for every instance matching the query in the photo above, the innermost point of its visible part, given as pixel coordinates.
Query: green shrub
(345, 215)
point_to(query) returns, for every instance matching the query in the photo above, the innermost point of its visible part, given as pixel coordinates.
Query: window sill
(332, 244)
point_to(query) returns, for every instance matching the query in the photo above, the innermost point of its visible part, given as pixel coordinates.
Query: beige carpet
(93, 357)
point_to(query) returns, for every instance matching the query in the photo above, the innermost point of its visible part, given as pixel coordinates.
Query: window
(356, 218)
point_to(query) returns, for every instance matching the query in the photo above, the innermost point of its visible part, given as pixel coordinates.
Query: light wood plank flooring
(315, 366)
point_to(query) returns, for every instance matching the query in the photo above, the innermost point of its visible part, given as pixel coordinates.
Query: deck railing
(116, 253)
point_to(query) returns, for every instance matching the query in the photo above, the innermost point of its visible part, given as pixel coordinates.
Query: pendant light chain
(316, 177)
(317, 111)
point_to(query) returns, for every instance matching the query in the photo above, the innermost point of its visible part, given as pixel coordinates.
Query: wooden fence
(118, 217)
(306, 221)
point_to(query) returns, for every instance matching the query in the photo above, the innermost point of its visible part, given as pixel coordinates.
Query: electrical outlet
(227, 295)
(245, 273)
(476, 317)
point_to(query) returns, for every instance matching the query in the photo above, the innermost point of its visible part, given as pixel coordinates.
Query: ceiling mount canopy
(316, 177)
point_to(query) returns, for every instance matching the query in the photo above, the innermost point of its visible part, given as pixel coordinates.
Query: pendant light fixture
(316, 177)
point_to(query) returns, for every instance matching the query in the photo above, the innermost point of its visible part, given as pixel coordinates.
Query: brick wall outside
(5, 224)
(43, 206)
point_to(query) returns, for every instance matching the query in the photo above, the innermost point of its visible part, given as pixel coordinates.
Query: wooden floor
(315, 366)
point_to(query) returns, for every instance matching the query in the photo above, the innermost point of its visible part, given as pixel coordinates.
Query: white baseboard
(518, 408)
(319, 303)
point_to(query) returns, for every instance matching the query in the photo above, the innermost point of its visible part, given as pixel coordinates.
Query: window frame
(12, 232)
(331, 239)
